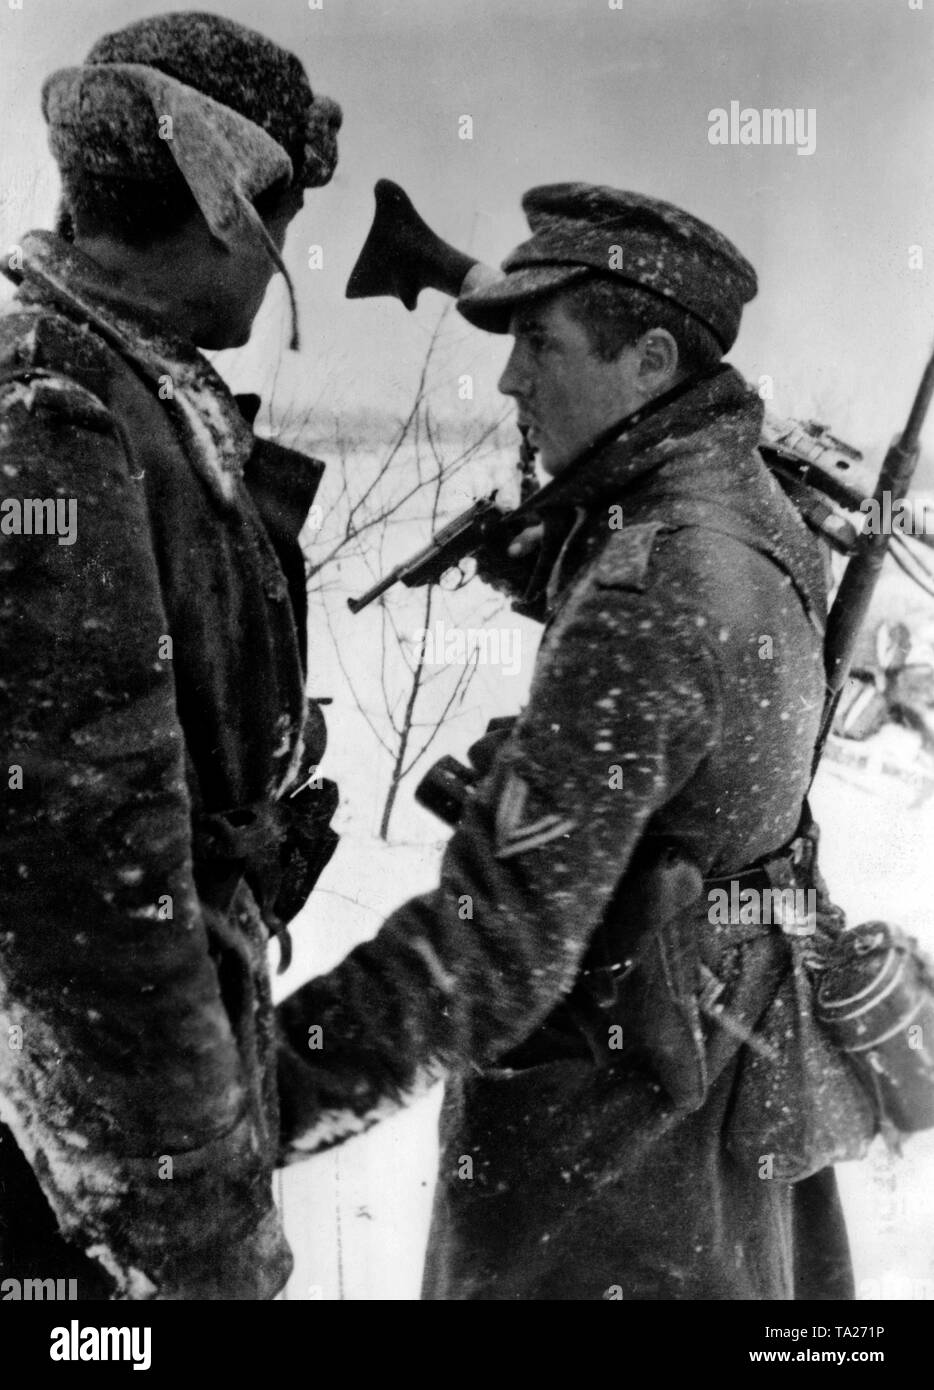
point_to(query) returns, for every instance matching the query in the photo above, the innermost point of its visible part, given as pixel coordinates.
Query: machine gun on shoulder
(811, 480)
(806, 459)
(402, 256)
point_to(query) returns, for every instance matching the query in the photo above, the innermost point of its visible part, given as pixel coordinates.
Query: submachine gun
(825, 478)
(877, 997)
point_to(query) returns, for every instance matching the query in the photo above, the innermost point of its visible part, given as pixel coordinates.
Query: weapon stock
(402, 255)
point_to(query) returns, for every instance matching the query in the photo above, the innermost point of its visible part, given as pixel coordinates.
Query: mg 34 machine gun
(826, 478)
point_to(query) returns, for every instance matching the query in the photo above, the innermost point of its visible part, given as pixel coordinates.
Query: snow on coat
(676, 698)
(151, 676)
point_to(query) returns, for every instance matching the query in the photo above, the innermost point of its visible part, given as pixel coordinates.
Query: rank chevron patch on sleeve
(514, 835)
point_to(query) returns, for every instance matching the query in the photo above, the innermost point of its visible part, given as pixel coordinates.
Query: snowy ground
(357, 1217)
(877, 833)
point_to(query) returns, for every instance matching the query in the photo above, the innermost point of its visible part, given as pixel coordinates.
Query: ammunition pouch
(703, 991)
(798, 1104)
(695, 993)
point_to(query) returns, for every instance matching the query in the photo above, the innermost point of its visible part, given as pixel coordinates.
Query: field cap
(582, 229)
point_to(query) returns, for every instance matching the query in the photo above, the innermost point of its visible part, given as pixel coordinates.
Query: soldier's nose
(512, 380)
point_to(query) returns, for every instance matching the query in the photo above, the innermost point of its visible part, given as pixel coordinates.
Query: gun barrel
(378, 589)
(861, 575)
(442, 552)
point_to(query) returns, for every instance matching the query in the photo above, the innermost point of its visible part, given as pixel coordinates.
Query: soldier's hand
(527, 541)
(509, 569)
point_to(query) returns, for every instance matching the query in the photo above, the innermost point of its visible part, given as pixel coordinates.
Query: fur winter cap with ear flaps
(223, 61)
(201, 96)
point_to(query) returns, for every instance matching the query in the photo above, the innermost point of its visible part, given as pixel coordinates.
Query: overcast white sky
(571, 89)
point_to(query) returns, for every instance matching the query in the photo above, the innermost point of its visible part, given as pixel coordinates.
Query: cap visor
(491, 306)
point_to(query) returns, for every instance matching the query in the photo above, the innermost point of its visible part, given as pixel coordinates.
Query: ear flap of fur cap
(125, 120)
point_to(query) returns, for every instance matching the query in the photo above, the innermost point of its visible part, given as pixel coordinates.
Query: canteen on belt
(876, 999)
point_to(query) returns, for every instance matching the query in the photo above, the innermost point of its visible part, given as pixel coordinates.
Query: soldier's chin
(221, 337)
(552, 461)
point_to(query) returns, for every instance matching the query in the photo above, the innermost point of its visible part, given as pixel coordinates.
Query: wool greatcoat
(153, 717)
(675, 701)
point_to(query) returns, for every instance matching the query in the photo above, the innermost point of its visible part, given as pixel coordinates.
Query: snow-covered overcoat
(151, 683)
(676, 697)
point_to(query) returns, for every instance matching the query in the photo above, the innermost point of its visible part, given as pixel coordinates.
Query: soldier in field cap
(584, 230)
(152, 700)
(638, 1104)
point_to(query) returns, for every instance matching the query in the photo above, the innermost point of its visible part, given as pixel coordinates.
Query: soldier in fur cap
(153, 675)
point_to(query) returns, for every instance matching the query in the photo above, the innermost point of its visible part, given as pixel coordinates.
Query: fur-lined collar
(218, 439)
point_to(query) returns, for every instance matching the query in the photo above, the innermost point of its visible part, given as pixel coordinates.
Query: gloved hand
(482, 753)
(509, 571)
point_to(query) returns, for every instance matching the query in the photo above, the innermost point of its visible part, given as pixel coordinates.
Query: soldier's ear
(658, 360)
